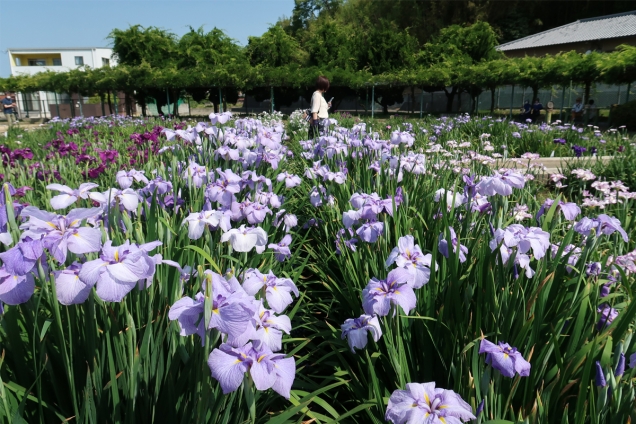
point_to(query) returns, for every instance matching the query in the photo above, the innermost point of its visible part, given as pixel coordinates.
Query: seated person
(527, 110)
(577, 110)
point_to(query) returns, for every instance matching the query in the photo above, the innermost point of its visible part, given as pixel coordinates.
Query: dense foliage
(155, 65)
(157, 270)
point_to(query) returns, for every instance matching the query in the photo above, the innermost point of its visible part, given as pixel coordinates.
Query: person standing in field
(7, 105)
(319, 107)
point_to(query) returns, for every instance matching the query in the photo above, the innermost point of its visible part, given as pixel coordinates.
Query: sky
(87, 23)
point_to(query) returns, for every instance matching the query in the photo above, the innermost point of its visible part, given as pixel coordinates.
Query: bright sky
(87, 23)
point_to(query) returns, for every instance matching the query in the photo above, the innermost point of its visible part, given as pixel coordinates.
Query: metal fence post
(562, 103)
(168, 99)
(372, 101)
(512, 99)
(629, 87)
(189, 110)
(271, 96)
(220, 101)
(26, 104)
(57, 105)
(421, 103)
(115, 103)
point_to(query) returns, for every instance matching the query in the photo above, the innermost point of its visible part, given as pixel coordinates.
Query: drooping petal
(85, 240)
(227, 369)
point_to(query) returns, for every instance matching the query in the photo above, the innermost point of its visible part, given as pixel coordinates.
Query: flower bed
(156, 270)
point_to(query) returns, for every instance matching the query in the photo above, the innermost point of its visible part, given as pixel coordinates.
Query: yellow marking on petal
(264, 278)
(76, 234)
(117, 255)
(506, 356)
(74, 222)
(274, 288)
(426, 399)
(216, 311)
(408, 252)
(442, 419)
(238, 361)
(261, 314)
(244, 355)
(52, 225)
(266, 329)
(260, 358)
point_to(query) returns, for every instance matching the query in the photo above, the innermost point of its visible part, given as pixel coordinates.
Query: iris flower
(423, 403)
(355, 331)
(277, 290)
(244, 239)
(268, 370)
(409, 256)
(69, 195)
(119, 269)
(505, 359)
(380, 295)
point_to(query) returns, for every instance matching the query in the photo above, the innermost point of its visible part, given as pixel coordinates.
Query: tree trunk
(110, 106)
(492, 101)
(412, 99)
(175, 109)
(535, 93)
(586, 97)
(449, 99)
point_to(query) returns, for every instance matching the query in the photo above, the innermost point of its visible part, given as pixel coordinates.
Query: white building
(32, 61)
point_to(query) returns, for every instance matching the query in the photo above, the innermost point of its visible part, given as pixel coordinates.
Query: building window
(57, 61)
(18, 61)
(105, 61)
(79, 60)
(37, 62)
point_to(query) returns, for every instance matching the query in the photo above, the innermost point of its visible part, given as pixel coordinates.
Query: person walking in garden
(537, 107)
(319, 107)
(527, 110)
(577, 110)
(7, 105)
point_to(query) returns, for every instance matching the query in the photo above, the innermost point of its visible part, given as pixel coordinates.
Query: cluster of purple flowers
(251, 332)
(521, 241)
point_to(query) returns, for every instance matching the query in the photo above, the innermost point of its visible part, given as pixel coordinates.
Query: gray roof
(600, 28)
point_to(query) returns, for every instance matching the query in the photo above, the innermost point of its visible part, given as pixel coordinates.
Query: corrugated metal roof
(600, 28)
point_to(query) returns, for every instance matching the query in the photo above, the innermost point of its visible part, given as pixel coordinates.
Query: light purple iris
(61, 234)
(500, 184)
(569, 210)
(220, 118)
(20, 259)
(379, 295)
(505, 359)
(370, 231)
(281, 249)
(291, 180)
(198, 222)
(69, 195)
(270, 327)
(118, 269)
(15, 289)
(604, 224)
(224, 188)
(409, 256)
(277, 290)
(256, 213)
(608, 315)
(355, 331)
(525, 240)
(460, 249)
(127, 198)
(71, 290)
(232, 309)
(125, 178)
(268, 370)
(423, 403)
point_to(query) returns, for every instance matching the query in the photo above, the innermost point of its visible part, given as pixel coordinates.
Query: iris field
(233, 271)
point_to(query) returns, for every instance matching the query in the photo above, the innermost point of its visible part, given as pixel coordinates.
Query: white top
(577, 107)
(319, 105)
